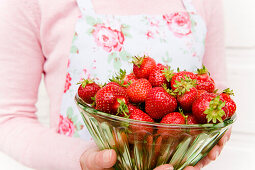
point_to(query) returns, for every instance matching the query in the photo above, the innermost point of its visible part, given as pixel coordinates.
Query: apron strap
(189, 6)
(86, 6)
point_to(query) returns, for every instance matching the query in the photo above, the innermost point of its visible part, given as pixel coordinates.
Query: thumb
(97, 160)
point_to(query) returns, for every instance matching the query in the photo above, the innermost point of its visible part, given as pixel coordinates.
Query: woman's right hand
(93, 159)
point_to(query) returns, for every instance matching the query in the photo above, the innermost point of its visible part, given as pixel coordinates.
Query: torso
(104, 43)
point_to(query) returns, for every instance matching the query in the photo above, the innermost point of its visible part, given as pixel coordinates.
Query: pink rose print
(149, 34)
(179, 23)
(68, 84)
(109, 39)
(66, 126)
(153, 22)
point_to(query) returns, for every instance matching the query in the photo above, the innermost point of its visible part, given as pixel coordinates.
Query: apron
(103, 44)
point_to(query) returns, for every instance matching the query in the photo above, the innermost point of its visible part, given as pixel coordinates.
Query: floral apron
(103, 44)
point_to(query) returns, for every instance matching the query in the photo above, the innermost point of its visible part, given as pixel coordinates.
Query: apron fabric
(103, 44)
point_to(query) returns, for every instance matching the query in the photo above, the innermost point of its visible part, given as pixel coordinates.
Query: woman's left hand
(212, 155)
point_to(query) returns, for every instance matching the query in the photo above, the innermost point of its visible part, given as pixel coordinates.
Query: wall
(240, 52)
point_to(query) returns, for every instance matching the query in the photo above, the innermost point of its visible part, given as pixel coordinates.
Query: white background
(240, 52)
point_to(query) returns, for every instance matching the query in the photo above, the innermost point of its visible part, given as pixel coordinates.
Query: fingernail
(217, 153)
(107, 156)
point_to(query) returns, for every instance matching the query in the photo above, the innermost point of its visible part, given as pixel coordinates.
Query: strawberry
(186, 92)
(138, 114)
(200, 93)
(209, 108)
(171, 118)
(159, 102)
(131, 107)
(87, 90)
(230, 104)
(142, 66)
(160, 75)
(191, 119)
(138, 131)
(204, 81)
(138, 90)
(181, 75)
(112, 99)
(130, 78)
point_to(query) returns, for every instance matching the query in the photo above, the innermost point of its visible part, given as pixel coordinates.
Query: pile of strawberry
(155, 93)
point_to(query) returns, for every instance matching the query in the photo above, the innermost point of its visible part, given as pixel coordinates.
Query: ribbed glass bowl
(144, 145)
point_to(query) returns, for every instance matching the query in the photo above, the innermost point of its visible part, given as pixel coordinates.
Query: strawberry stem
(84, 82)
(185, 116)
(229, 92)
(203, 70)
(168, 73)
(184, 85)
(123, 108)
(215, 112)
(119, 78)
(138, 60)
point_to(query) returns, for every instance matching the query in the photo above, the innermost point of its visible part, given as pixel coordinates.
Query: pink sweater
(36, 36)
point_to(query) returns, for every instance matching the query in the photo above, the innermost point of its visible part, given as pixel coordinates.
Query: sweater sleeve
(214, 58)
(21, 62)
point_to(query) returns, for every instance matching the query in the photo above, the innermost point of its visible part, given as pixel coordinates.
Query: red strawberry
(191, 119)
(138, 130)
(138, 90)
(130, 78)
(112, 99)
(142, 66)
(160, 75)
(209, 108)
(181, 75)
(159, 102)
(204, 81)
(200, 93)
(87, 90)
(138, 114)
(230, 104)
(171, 118)
(186, 92)
(131, 107)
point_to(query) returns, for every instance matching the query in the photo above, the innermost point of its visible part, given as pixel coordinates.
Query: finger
(165, 167)
(100, 159)
(215, 152)
(226, 137)
(191, 168)
(205, 161)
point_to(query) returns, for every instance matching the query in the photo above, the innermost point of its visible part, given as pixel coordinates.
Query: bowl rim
(84, 106)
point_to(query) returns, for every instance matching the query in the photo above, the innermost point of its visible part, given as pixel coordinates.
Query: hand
(212, 155)
(93, 159)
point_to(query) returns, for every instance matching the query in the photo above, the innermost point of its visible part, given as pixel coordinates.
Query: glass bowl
(144, 145)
